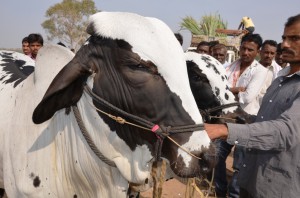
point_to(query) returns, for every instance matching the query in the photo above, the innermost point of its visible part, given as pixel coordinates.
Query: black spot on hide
(226, 96)
(16, 70)
(36, 181)
(217, 91)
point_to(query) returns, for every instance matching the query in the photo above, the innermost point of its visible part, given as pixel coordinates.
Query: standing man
(35, 43)
(203, 47)
(267, 56)
(25, 46)
(219, 52)
(247, 24)
(246, 77)
(271, 164)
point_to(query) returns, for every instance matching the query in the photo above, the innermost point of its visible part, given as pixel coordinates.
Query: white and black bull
(209, 85)
(135, 69)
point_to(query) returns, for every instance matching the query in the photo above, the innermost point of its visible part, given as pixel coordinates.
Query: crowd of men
(266, 82)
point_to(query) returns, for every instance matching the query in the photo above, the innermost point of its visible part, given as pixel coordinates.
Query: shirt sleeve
(254, 86)
(280, 134)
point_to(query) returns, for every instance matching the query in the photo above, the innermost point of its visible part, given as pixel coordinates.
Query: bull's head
(136, 64)
(209, 85)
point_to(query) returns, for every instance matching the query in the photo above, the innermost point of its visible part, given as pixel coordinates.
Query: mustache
(287, 51)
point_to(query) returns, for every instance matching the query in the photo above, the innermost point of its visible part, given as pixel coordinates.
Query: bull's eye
(139, 67)
(195, 77)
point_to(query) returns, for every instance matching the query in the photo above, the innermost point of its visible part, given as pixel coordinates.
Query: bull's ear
(64, 91)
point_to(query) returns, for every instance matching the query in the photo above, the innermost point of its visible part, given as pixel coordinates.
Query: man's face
(203, 49)
(219, 54)
(291, 44)
(248, 52)
(278, 59)
(25, 48)
(267, 54)
(34, 47)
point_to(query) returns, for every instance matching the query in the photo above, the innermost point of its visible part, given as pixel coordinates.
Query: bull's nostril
(205, 169)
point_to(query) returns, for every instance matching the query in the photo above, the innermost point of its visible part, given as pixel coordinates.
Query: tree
(207, 25)
(67, 21)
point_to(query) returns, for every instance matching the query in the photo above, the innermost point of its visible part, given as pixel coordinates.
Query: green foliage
(207, 25)
(67, 21)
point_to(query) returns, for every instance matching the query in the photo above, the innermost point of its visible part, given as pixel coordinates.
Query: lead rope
(88, 138)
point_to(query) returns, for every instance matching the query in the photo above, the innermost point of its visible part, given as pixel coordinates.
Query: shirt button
(236, 142)
(244, 165)
(270, 100)
(249, 149)
(262, 117)
(280, 85)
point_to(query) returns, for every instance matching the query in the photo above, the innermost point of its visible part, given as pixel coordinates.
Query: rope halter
(160, 132)
(206, 113)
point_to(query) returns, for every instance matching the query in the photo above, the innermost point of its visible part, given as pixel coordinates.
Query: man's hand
(215, 131)
(236, 90)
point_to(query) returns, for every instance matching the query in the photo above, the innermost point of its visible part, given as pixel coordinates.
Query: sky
(22, 17)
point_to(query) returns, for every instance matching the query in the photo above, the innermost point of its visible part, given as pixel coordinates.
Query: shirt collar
(286, 70)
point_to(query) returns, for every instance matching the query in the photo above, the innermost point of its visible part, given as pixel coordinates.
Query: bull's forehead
(152, 40)
(215, 73)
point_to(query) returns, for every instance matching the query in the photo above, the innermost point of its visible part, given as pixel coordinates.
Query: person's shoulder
(259, 67)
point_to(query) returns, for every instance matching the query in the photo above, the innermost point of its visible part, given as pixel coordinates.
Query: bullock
(215, 101)
(90, 124)
(209, 85)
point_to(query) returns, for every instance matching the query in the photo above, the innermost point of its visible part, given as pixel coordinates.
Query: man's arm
(278, 134)
(216, 131)
(241, 26)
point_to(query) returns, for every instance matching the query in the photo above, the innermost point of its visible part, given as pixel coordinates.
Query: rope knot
(117, 119)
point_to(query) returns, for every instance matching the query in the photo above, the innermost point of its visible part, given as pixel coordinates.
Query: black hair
(279, 50)
(25, 40)
(205, 43)
(292, 20)
(269, 42)
(35, 38)
(256, 38)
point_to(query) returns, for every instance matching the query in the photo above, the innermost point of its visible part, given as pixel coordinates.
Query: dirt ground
(175, 189)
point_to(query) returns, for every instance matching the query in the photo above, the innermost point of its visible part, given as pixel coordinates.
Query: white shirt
(273, 70)
(254, 79)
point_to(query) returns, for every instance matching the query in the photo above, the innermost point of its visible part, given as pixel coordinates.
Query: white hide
(215, 80)
(52, 159)
(53, 154)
